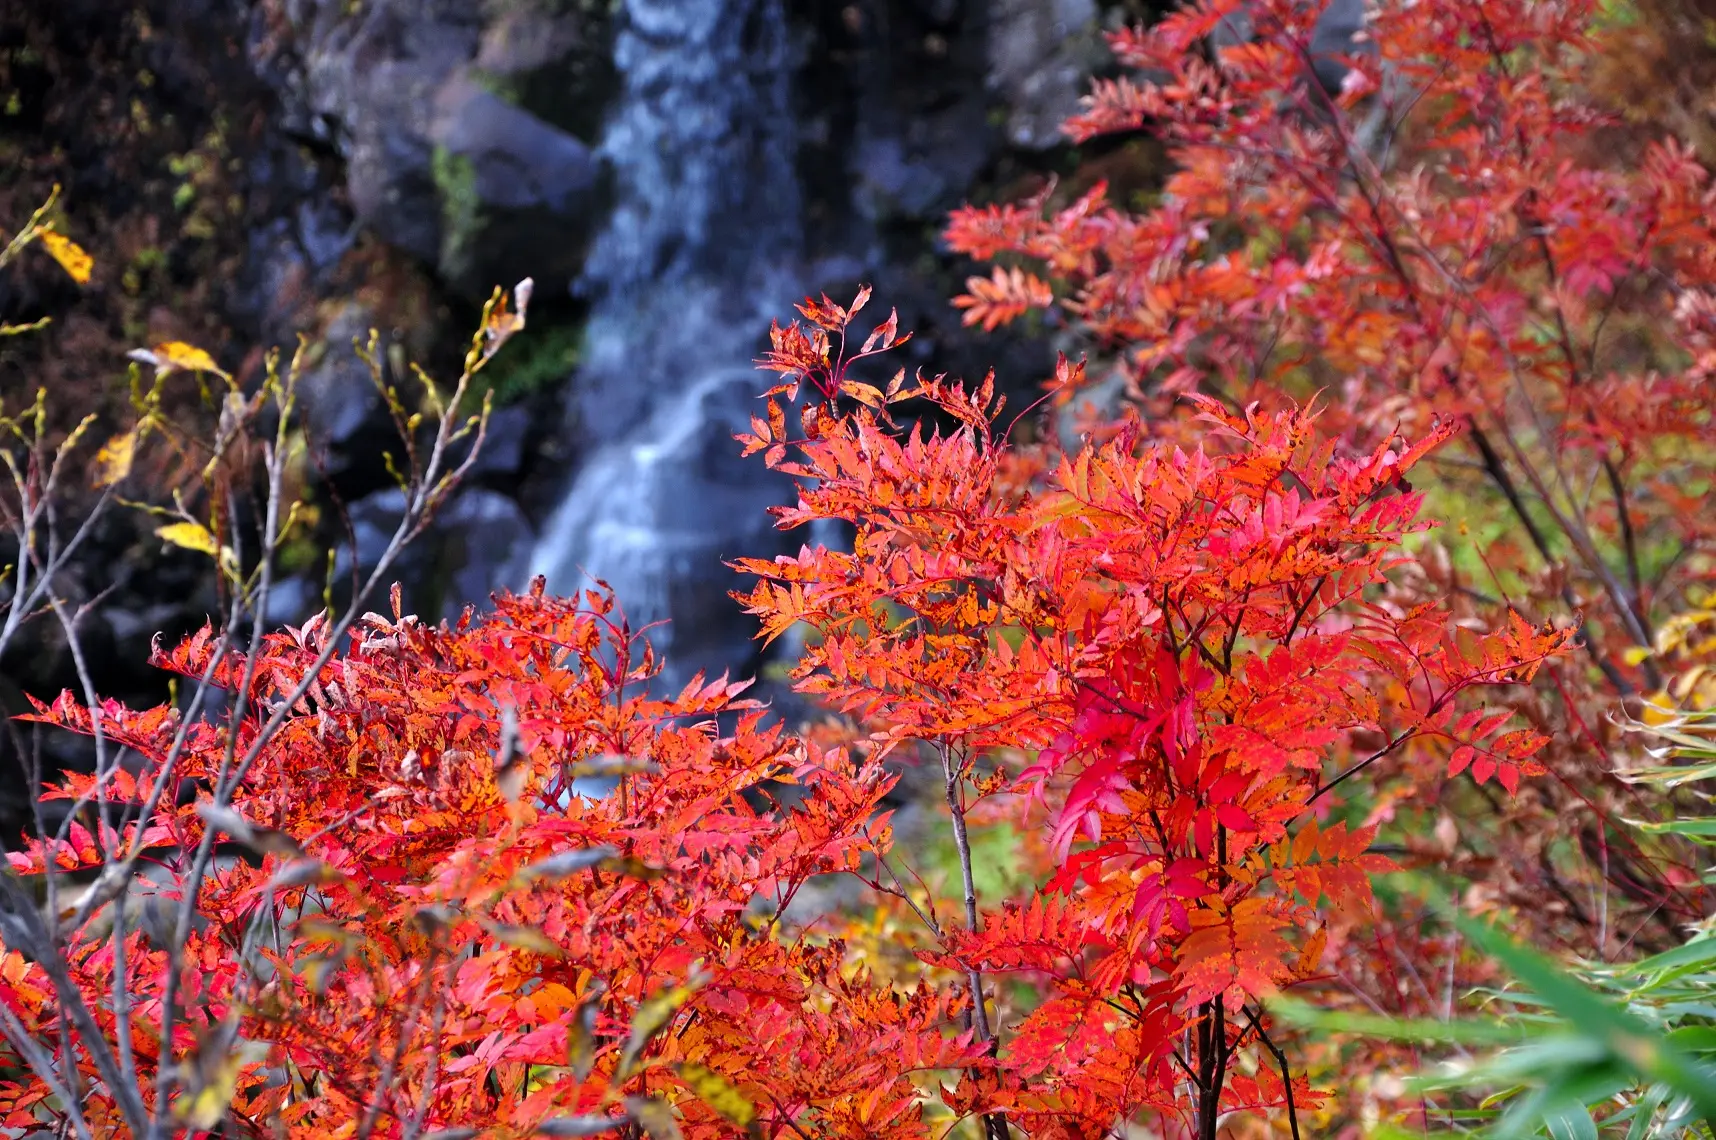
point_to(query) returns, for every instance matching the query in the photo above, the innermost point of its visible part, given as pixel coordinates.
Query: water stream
(701, 248)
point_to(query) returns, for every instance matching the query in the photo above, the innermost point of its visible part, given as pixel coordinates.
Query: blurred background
(673, 174)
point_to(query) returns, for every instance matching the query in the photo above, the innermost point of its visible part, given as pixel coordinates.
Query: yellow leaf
(69, 254)
(187, 356)
(652, 1016)
(113, 461)
(210, 1078)
(501, 323)
(176, 355)
(607, 764)
(229, 562)
(654, 1116)
(1658, 710)
(717, 1092)
(524, 938)
(867, 394)
(207, 1107)
(581, 1037)
(1682, 686)
(191, 536)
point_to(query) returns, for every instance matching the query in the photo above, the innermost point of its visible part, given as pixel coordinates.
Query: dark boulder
(517, 196)
(420, 99)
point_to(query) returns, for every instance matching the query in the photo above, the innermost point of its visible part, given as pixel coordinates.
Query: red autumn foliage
(443, 933)
(1163, 658)
(1183, 640)
(1446, 237)
(478, 945)
(1469, 228)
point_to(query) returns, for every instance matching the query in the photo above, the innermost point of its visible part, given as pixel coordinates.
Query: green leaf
(1695, 953)
(1570, 1122)
(1630, 1040)
(1692, 828)
(1466, 1032)
(1643, 1111)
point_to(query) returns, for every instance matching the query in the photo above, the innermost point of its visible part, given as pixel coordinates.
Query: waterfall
(704, 238)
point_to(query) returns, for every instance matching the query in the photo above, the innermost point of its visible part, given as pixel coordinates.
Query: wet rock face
(467, 129)
(900, 126)
(363, 80)
(481, 542)
(422, 98)
(517, 195)
(340, 404)
(1041, 55)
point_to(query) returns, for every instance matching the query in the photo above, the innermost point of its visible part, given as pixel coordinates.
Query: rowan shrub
(1188, 666)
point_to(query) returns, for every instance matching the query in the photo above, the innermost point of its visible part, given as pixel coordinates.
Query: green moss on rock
(540, 359)
(456, 185)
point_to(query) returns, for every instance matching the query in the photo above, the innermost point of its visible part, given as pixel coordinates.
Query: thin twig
(1286, 1073)
(993, 1123)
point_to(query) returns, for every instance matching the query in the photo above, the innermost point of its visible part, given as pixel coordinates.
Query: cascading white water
(705, 232)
